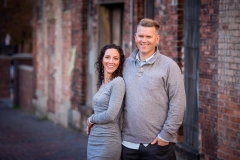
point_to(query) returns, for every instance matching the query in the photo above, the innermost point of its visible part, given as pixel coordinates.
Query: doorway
(110, 24)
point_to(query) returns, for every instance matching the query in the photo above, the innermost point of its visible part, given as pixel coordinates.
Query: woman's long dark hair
(99, 66)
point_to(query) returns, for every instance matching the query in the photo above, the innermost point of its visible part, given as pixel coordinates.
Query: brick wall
(126, 28)
(26, 87)
(39, 59)
(219, 65)
(228, 81)
(170, 16)
(34, 49)
(138, 14)
(208, 100)
(66, 54)
(18, 60)
(51, 52)
(5, 63)
(79, 40)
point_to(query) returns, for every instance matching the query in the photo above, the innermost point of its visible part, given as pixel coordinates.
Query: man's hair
(146, 22)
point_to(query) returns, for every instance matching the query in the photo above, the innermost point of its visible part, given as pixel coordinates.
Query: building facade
(201, 36)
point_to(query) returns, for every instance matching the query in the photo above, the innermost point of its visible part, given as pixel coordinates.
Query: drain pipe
(131, 26)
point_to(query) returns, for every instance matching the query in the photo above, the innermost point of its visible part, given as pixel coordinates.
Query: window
(40, 9)
(66, 5)
(149, 9)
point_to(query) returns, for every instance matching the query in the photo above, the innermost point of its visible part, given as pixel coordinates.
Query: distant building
(15, 27)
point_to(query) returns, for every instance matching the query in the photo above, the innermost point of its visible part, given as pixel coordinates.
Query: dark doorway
(110, 24)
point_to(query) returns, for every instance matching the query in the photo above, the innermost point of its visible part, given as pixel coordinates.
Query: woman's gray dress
(104, 142)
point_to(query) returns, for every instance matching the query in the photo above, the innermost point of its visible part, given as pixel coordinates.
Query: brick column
(19, 59)
(5, 63)
(79, 40)
(26, 87)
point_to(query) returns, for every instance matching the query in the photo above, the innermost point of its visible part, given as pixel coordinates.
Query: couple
(145, 126)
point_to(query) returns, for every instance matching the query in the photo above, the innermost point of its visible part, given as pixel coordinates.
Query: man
(155, 99)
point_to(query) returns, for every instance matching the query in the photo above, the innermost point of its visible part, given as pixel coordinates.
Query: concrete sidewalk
(24, 137)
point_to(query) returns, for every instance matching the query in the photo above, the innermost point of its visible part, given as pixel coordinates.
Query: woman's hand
(89, 123)
(89, 126)
(88, 129)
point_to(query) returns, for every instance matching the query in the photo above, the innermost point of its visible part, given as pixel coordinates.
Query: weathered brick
(26, 87)
(5, 63)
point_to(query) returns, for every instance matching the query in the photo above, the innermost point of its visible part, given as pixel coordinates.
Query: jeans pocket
(164, 149)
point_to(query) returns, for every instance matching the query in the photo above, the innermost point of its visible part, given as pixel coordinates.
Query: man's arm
(177, 103)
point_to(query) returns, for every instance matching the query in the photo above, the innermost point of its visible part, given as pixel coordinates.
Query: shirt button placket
(140, 72)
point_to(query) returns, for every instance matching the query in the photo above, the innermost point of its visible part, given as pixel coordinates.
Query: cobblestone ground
(24, 137)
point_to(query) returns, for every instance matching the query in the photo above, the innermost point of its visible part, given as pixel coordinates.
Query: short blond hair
(146, 22)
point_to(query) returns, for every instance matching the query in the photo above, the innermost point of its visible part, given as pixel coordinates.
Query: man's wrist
(162, 139)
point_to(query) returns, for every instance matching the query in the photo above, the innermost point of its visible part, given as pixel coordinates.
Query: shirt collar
(146, 60)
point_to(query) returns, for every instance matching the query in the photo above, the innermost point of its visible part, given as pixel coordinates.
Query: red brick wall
(84, 50)
(126, 27)
(208, 99)
(228, 128)
(5, 63)
(39, 59)
(66, 54)
(26, 87)
(19, 60)
(79, 39)
(219, 110)
(34, 48)
(138, 14)
(170, 16)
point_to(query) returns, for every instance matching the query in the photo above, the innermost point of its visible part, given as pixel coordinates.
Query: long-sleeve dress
(104, 142)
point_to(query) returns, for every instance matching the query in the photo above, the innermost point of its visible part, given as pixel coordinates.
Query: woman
(104, 142)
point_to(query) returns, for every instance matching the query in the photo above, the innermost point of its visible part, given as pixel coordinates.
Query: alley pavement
(25, 137)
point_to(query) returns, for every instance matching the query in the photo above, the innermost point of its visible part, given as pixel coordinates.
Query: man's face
(146, 39)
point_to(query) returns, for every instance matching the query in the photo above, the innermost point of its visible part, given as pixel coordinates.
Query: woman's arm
(115, 103)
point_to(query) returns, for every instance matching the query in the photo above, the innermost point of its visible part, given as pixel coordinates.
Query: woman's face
(111, 60)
